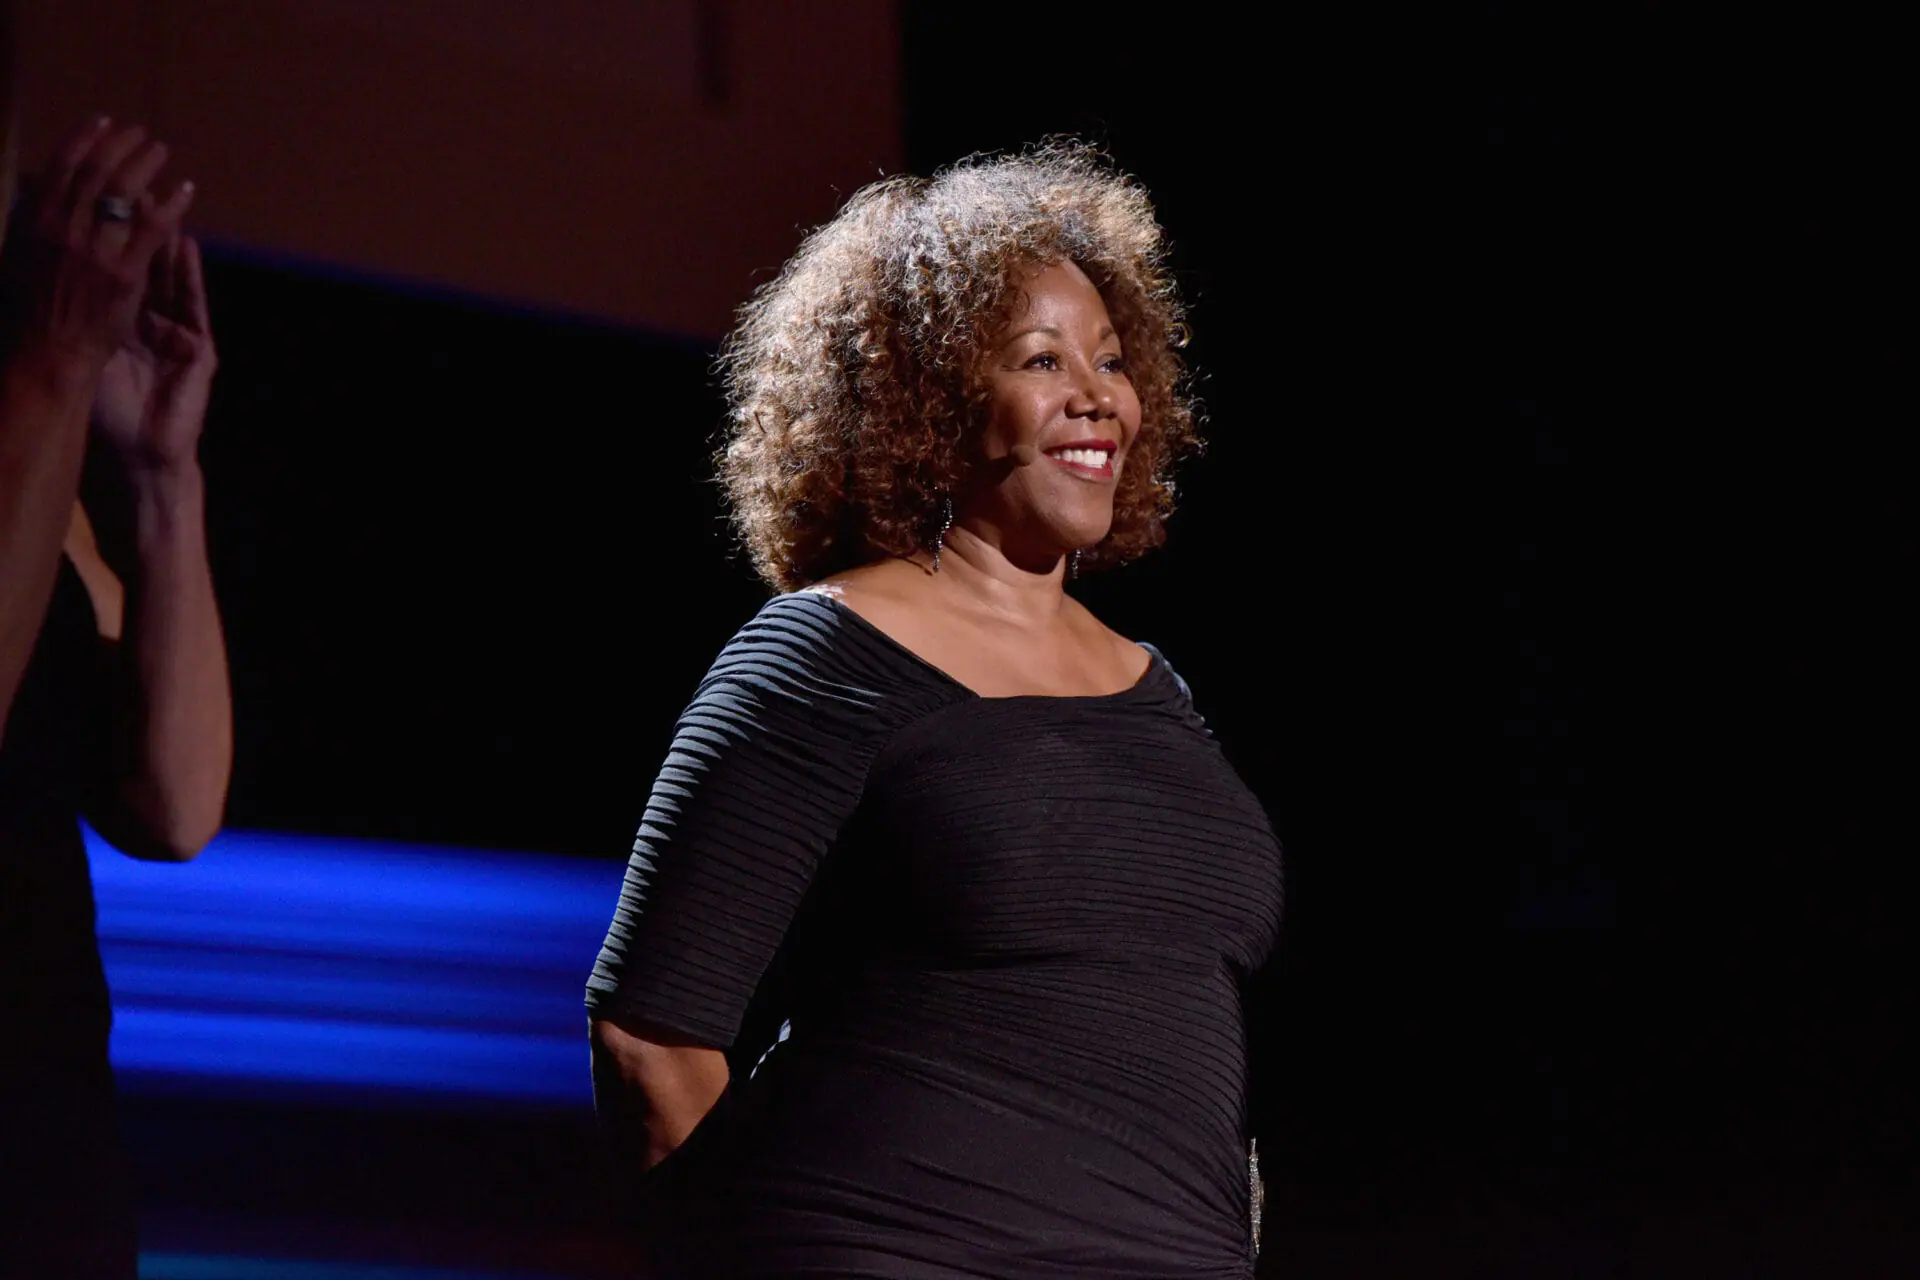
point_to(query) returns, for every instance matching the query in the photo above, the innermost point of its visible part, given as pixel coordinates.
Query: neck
(982, 573)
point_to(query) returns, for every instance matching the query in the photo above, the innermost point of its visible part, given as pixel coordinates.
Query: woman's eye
(1114, 364)
(1045, 360)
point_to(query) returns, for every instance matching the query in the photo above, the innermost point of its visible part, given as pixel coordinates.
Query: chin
(1077, 534)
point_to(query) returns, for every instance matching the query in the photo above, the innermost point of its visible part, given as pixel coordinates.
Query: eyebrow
(1106, 331)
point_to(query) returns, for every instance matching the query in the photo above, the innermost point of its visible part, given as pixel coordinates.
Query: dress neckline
(1155, 661)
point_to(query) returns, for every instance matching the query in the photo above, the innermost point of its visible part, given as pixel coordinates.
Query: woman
(978, 850)
(113, 690)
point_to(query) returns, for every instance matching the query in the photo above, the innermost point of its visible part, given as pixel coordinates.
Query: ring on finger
(113, 209)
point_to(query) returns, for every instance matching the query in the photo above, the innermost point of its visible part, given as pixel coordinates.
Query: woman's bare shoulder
(1126, 659)
(887, 591)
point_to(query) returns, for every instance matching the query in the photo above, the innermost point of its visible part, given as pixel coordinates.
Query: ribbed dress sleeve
(767, 763)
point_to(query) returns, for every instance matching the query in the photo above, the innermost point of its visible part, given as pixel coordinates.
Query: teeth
(1095, 458)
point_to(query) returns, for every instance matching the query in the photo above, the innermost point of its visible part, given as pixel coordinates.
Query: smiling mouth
(1092, 460)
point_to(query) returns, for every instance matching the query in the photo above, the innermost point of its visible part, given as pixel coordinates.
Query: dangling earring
(1073, 564)
(940, 534)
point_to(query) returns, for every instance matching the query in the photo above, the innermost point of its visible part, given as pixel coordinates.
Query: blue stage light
(292, 963)
(186, 1266)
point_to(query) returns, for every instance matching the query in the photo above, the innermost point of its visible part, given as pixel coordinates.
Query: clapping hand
(152, 396)
(81, 246)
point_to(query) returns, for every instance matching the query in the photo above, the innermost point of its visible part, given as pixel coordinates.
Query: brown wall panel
(642, 160)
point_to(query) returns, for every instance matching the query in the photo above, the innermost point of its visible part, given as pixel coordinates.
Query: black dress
(1010, 937)
(64, 1205)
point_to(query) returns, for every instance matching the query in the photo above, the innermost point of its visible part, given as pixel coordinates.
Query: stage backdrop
(642, 161)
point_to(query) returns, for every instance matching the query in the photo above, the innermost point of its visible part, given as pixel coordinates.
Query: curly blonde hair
(854, 378)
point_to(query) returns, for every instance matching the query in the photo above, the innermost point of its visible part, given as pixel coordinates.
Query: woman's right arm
(43, 436)
(650, 1092)
(70, 286)
(767, 762)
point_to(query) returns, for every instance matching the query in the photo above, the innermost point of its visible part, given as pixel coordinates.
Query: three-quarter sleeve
(767, 763)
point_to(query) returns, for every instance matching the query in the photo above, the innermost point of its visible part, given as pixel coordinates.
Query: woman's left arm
(170, 749)
(170, 753)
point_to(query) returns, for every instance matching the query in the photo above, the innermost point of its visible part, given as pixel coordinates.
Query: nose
(1092, 399)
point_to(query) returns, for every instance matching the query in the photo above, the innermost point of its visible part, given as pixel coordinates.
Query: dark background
(1544, 577)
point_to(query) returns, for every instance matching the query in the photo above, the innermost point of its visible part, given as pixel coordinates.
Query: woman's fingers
(95, 278)
(193, 290)
(59, 178)
(130, 181)
(90, 182)
(101, 161)
(163, 294)
(154, 228)
(128, 185)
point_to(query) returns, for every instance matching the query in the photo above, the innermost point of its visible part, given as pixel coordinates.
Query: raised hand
(81, 245)
(152, 394)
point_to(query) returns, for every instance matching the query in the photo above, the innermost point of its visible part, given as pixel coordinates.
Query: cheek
(1019, 419)
(1129, 413)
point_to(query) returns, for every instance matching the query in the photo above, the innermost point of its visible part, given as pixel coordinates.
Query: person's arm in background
(43, 424)
(45, 392)
(163, 784)
(70, 284)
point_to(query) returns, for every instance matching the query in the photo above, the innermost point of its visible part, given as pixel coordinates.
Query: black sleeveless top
(1010, 937)
(54, 1011)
